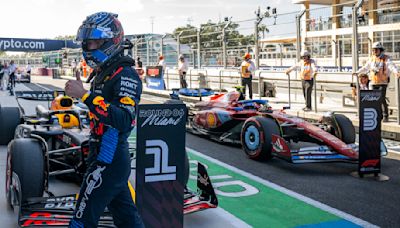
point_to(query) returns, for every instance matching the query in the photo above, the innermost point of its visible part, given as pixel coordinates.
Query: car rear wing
(54, 212)
(38, 95)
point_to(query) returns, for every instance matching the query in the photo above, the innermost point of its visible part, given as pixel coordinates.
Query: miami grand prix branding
(161, 131)
(370, 131)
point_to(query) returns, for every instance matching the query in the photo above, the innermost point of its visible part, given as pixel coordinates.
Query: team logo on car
(279, 145)
(211, 120)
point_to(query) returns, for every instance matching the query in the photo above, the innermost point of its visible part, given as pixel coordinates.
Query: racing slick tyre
(9, 119)
(256, 137)
(346, 127)
(25, 170)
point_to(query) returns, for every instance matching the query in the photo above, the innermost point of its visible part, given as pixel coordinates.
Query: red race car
(264, 132)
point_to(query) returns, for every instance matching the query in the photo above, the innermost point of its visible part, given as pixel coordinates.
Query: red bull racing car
(265, 133)
(54, 142)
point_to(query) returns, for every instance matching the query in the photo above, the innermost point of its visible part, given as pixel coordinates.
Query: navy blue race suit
(112, 104)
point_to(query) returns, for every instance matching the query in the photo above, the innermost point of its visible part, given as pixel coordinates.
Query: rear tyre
(9, 119)
(25, 160)
(256, 137)
(346, 127)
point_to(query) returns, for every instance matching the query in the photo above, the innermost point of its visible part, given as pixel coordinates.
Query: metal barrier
(332, 81)
(315, 94)
(290, 95)
(261, 81)
(398, 99)
(220, 73)
(356, 100)
(168, 74)
(198, 72)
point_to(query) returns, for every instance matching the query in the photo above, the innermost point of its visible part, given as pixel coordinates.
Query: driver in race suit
(115, 92)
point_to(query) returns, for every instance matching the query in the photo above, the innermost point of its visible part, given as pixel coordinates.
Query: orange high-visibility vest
(306, 71)
(245, 71)
(84, 70)
(379, 74)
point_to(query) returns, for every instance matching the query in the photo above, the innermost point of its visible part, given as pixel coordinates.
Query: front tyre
(25, 173)
(256, 137)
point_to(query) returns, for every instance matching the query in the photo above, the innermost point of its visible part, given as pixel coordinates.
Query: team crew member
(12, 70)
(28, 69)
(112, 99)
(182, 69)
(380, 67)
(247, 69)
(308, 71)
(161, 62)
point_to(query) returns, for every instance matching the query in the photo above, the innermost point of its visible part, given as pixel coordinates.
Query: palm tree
(263, 28)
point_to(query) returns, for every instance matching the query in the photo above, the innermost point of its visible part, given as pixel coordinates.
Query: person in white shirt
(247, 69)
(161, 62)
(4, 81)
(182, 68)
(308, 71)
(28, 69)
(11, 71)
(74, 66)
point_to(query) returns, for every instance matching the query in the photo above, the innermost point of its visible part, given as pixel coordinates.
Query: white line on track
(286, 191)
(233, 220)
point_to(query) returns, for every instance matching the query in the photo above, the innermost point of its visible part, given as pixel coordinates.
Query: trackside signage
(369, 160)
(36, 45)
(160, 164)
(155, 77)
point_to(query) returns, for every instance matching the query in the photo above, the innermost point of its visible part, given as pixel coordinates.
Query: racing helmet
(107, 31)
(247, 56)
(378, 45)
(305, 53)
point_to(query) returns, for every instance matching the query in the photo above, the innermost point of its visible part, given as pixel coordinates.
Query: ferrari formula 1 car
(54, 142)
(264, 132)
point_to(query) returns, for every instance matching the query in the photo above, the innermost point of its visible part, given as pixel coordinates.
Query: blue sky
(49, 18)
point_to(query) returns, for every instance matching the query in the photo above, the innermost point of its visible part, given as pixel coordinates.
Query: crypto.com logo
(160, 171)
(370, 119)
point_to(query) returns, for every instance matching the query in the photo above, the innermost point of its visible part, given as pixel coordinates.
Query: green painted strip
(268, 207)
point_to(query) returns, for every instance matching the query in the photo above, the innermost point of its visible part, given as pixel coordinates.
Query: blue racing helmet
(101, 36)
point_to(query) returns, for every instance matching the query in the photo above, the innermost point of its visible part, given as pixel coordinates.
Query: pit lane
(8, 218)
(330, 184)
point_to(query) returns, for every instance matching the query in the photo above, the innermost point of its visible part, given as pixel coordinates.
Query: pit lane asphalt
(329, 183)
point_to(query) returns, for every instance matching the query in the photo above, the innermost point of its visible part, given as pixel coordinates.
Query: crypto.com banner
(160, 154)
(34, 45)
(369, 160)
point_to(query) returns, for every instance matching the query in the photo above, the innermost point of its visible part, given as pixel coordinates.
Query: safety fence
(332, 88)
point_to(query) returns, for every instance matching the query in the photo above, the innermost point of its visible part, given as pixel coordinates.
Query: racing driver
(115, 92)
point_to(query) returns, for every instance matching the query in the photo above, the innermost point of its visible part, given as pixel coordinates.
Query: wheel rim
(252, 138)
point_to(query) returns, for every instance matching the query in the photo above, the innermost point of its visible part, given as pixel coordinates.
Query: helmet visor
(93, 33)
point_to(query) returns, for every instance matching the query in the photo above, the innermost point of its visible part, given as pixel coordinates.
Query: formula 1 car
(55, 142)
(265, 133)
